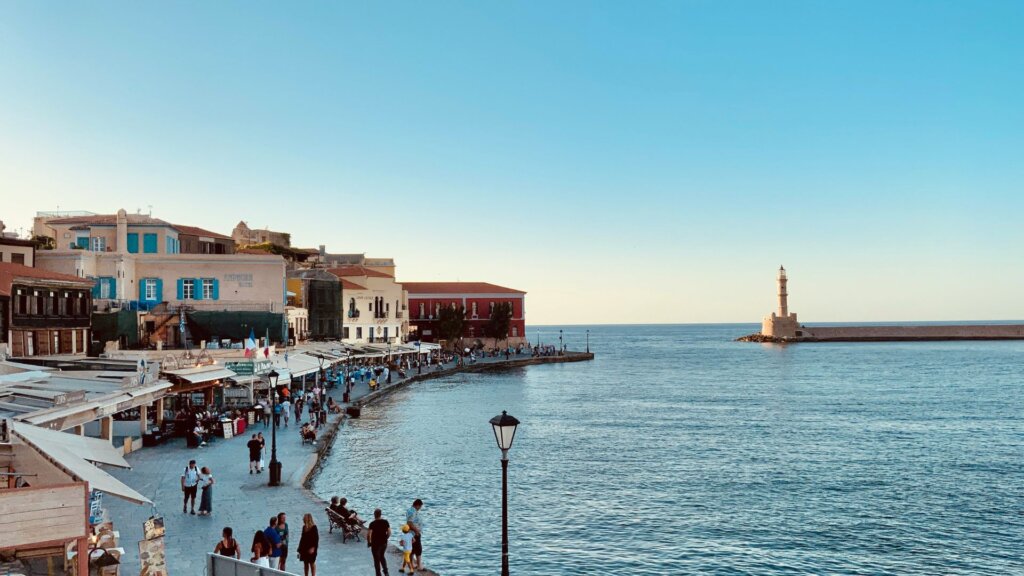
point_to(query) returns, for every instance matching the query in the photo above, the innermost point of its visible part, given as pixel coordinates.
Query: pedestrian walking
(228, 546)
(266, 412)
(286, 411)
(298, 410)
(261, 547)
(255, 448)
(412, 518)
(263, 448)
(282, 530)
(277, 414)
(405, 543)
(190, 485)
(377, 535)
(309, 542)
(206, 499)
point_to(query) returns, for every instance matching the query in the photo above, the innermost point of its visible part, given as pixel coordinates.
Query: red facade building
(477, 298)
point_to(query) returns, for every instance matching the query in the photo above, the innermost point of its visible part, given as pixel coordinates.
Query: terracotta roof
(350, 285)
(349, 271)
(111, 220)
(194, 231)
(457, 288)
(10, 272)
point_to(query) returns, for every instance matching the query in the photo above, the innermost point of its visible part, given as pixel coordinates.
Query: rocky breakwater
(758, 337)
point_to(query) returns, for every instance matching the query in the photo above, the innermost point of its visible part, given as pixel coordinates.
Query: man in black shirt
(377, 539)
(255, 447)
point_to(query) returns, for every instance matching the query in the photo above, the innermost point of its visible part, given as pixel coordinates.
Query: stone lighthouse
(781, 324)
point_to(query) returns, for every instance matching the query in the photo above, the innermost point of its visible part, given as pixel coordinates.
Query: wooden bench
(348, 529)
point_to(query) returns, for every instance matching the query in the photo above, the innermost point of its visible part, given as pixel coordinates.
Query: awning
(91, 449)
(74, 456)
(197, 376)
(298, 364)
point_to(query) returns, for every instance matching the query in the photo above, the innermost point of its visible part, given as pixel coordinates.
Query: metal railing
(217, 565)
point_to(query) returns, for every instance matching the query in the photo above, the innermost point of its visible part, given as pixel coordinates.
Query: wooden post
(80, 430)
(143, 419)
(159, 412)
(107, 428)
(83, 555)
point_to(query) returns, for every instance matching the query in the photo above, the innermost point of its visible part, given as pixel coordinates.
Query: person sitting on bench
(350, 516)
(308, 432)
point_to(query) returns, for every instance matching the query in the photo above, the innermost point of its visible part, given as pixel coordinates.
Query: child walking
(405, 541)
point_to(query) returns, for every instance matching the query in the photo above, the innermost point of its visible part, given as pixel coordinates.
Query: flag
(266, 352)
(250, 343)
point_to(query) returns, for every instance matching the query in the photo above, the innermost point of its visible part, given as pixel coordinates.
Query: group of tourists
(410, 542)
(270, 546)
(192, 480)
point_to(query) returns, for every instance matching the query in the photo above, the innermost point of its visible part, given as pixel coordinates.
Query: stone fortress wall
(930, 332)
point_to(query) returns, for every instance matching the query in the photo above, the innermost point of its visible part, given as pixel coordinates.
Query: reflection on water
(679, 451)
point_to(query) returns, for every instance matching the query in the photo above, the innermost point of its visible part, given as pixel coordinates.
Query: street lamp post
(322, 377)
(504, 432)
(560, 347)
(275, 466)
(588, 341)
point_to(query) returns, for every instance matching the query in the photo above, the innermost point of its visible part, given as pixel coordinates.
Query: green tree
(44, 242)
(500, 322)
(451, 322)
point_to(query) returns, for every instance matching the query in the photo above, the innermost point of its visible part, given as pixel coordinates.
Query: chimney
(122, 231)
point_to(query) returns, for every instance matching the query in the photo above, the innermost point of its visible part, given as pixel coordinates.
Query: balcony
(399, 314)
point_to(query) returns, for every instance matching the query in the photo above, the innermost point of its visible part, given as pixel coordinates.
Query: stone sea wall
(895, 333)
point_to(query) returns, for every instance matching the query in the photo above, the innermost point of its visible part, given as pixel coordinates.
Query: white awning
(197, 376)
(86, 448)
(298, 364)
(72, 456)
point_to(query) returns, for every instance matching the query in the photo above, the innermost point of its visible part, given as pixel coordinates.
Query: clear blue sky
(620, 161)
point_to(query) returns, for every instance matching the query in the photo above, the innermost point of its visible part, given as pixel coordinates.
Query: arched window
(474, 308)
(422, 306)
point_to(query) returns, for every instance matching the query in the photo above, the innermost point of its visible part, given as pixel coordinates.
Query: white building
(373, 307)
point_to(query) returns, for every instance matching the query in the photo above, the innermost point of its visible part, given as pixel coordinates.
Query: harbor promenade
(244, 502)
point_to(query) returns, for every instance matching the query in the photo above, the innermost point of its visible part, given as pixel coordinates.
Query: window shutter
(142, 289)
(197, 290)
(113, 287)
(216, 289)
(181, 288)
(159, 289)
(96, 288)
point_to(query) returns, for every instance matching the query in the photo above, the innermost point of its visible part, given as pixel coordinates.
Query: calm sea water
(679, 451)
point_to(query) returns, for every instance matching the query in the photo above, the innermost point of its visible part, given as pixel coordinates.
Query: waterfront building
(43, 312)
(477, 299)
(374, 305)
(320, 293)
(782, 323)
(244, 236)
(160, 296)
(17, 251)
(194, 240)
(298, 322)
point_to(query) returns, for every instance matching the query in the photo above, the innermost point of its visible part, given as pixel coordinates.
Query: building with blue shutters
(137, 265)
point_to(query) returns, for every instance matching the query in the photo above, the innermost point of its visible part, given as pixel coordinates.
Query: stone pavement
(240, 500)
(243, 501)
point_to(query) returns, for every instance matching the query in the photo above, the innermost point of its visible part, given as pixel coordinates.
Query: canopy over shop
(198, 385)
(52, 498)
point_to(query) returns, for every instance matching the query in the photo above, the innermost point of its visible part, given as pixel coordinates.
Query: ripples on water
(678, 451)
